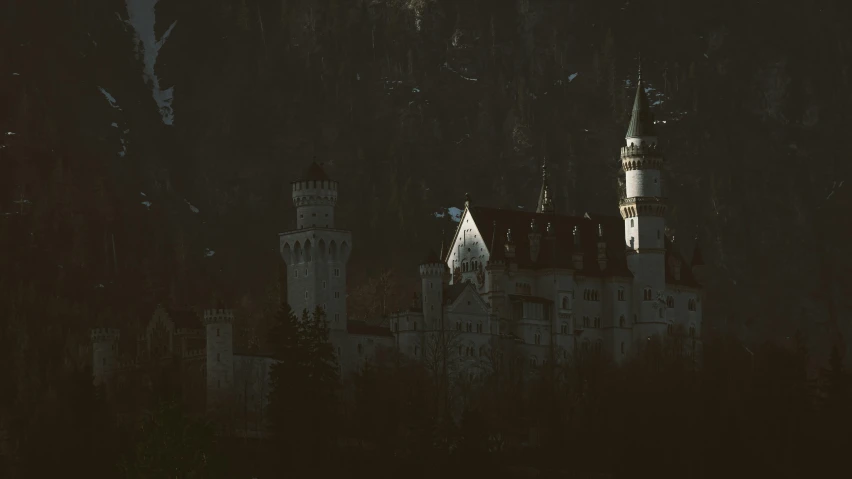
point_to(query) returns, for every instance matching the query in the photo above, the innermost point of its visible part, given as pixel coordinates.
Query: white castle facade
(539, 286)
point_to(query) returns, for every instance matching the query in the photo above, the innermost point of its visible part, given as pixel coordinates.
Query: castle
(538, 286)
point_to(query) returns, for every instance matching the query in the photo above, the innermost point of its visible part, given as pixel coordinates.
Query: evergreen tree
(173, 445)
(303, 401)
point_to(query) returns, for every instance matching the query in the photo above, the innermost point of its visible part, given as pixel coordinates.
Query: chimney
(601, 248)
(535, 241)
(577, 254)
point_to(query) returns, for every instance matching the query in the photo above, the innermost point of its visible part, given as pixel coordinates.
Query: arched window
(670, 328)
(533, 362)
(621, 321)
(631, 222)
(537, 338)
(565, 302)
(564, 328)
(648, 295)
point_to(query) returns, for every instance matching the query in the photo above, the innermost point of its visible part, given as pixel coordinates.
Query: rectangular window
(323, 284)
(337, 295)
(336, 272)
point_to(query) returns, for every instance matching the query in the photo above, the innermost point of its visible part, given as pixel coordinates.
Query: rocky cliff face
(143, 177)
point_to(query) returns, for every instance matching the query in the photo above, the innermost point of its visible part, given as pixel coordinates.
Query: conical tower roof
(641, 118)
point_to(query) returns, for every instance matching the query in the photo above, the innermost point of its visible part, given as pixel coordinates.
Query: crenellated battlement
(314, 193)
(642, 206)
(432, 270)
(100, 335)
(642, 157)
(218, 316)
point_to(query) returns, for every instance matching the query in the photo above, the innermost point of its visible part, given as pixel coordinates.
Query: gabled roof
(641, 118)
(453, 291)
(556, 250)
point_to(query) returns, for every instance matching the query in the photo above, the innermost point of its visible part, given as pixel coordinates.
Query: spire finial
(640, 67)
(544, 168)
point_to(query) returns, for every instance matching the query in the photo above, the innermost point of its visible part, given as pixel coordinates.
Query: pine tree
(287, 348)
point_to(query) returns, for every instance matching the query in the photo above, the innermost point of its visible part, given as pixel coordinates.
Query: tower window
(564, 328)
(306, 295)
(621, 295)
(336, 272)
(323, 284)
(301, 216)
(336, 317)
(306, 272)
(537, 338)
(621, 321)
(296, 273)
(631, 222)
(337, 295)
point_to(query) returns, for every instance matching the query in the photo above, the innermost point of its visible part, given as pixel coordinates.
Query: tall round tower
(220, 358)
(432, 290)
(316, 253)
(643, 209)
(104, 354)
(314, 196)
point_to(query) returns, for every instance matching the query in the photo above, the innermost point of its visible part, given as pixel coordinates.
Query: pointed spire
(697, 257)
(641, 119)
(545, 202)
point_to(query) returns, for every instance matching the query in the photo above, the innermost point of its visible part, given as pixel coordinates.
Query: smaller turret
(602, 260)
(314, 195)
(104, 354)
(577, 254)
(432, 288)
(220, 358)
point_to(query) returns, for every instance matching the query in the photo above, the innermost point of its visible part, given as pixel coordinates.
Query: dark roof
(641, 118)
(556, 251)
(364, 329)
(673, 257)
(431, 258)
(185, 319)
(314, 172)
(453, 291)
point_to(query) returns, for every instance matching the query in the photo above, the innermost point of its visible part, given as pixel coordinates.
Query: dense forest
(147, 149)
